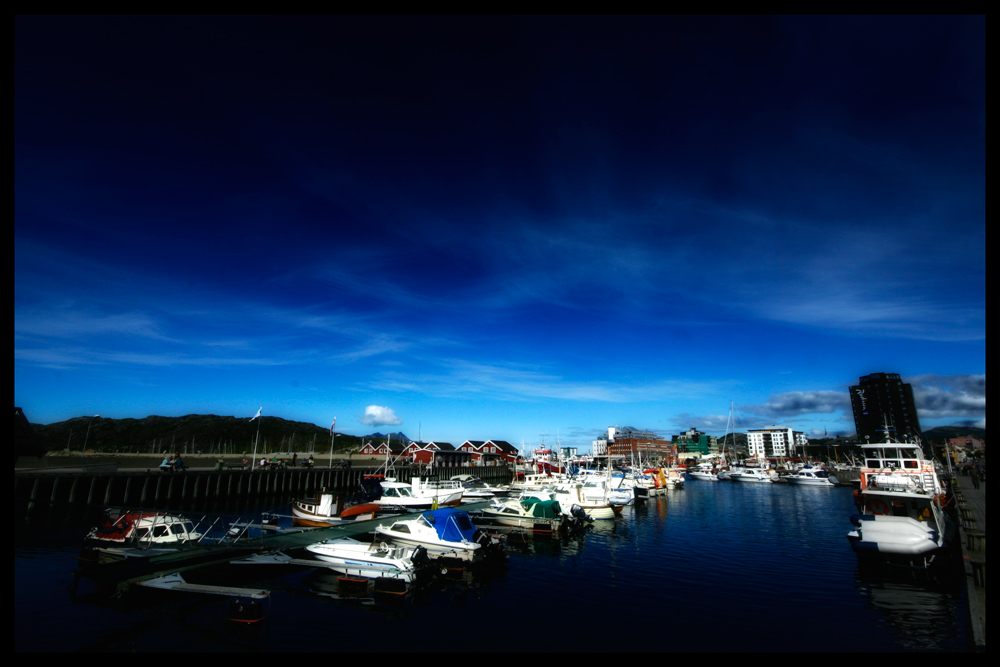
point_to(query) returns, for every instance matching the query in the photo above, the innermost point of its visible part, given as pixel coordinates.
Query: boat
(671, 478)
(324, 509)
(139, 528)
(704, 471)
(811, 476)
(444, 533)
(363, 559)
(527, 512)
(138, 534)
(902, 506)
(406, 497)
(589, 496)
(477, 488)
(763, 475)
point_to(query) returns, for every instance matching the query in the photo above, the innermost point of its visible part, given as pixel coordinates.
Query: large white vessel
(902, 505)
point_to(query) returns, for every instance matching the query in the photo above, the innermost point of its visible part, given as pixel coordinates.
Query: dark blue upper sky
(497, 227)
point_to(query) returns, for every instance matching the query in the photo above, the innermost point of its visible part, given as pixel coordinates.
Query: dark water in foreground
(714, 567)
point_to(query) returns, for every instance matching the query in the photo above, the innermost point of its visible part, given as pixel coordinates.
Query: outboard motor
(420, 558)
(579, 514)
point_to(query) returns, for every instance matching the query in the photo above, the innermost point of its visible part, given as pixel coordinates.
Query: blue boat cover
(451, 524)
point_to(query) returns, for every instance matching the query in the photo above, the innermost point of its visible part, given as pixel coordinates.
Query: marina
(683, 560)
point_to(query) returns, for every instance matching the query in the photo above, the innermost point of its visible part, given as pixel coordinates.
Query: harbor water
(713, 567)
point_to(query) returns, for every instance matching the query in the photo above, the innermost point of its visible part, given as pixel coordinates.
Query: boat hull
(364, 560)
(472, 553)
(809, 482)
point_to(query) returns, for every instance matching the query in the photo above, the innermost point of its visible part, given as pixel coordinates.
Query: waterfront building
(776, 442)
(883, 398)
(489, 452)
(625, 441)
(694, 441)
(374, 448)
(437, 454)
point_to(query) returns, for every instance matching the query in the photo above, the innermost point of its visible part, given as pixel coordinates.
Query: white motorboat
(811, 477)
(705, 472)
(902, 504)
(444, 533)
(593, 503)
(752, 475)
(362, 559)
(417, 496)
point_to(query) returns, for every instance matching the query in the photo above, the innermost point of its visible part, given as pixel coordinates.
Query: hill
(942, 433)
(190, 433)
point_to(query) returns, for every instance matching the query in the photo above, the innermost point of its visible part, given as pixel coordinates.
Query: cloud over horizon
(377, 415)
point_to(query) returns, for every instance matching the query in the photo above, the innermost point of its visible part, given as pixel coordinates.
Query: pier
(971, 508)
(104, 484)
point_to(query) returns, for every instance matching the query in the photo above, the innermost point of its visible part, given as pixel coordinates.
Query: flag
(332, 425)
(258, 413)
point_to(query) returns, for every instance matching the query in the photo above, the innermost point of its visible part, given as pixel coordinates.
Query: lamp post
(88, 432)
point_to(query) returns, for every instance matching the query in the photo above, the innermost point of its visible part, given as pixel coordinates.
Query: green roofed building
(694, 441)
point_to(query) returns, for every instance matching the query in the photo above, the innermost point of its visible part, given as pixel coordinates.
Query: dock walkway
(972, 530)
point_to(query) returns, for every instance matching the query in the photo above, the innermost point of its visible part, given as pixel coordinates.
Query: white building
(776, 442)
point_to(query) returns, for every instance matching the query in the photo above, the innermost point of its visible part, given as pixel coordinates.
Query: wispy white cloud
(519, 382)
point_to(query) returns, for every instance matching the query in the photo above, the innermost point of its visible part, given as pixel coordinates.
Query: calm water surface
(717, 566)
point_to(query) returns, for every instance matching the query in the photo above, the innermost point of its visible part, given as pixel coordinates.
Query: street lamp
(88, 432)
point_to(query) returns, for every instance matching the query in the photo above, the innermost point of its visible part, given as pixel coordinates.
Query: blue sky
(507, 228)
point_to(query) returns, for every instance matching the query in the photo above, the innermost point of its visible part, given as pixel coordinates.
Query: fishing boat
(362, 559)
(902, 506)
(444, 533)
(811, 476)
(324, 509)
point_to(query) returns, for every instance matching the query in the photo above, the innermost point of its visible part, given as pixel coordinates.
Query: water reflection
(682, 554)
(918, 606)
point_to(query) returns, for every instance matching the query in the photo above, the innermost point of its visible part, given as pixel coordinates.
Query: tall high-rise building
(880, 399)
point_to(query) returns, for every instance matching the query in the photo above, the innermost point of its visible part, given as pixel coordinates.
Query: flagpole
(253, 463)
(333, 436)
